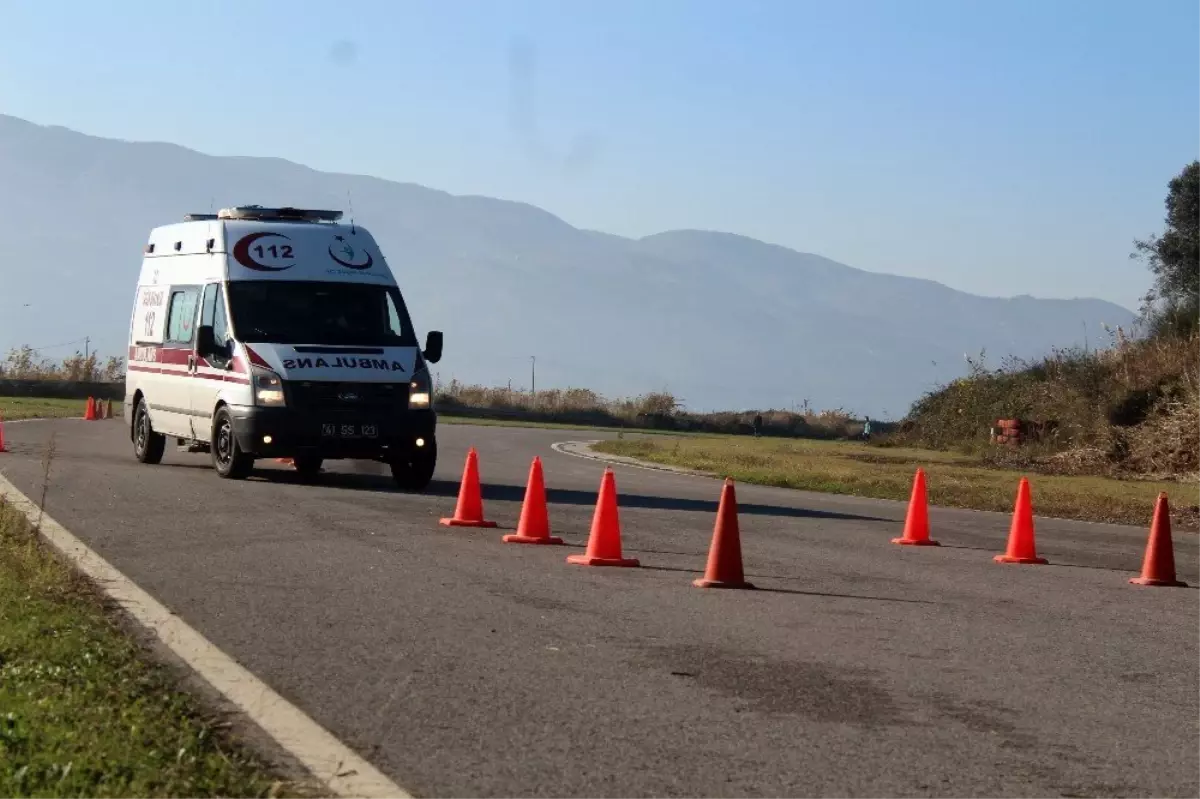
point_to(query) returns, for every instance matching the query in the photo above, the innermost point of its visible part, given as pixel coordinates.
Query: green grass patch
(84, 712)
(954, 480)
(14, 408)
(447, 417)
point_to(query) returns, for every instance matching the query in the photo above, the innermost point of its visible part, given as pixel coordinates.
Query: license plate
(340, 430)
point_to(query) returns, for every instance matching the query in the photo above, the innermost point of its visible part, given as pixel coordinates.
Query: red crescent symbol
(241, 252)
(367, 265)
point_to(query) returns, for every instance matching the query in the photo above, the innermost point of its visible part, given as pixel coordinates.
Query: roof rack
(199, 217)
(279, 214)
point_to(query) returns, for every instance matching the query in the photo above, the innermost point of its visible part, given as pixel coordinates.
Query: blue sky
(1000, 148)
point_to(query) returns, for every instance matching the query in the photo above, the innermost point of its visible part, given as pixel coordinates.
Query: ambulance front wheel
(148, 446)
(228, 458)
(307, 466)
(416, 472)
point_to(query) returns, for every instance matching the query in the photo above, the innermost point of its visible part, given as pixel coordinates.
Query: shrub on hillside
(1136, 402)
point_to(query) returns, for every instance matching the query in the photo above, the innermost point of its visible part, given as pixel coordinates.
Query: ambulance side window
(394, 325)
(181, 316)
(212, 313)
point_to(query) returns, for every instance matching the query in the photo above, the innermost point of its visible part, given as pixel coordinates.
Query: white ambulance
(277, 333)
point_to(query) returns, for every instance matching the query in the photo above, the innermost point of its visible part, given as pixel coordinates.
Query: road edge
(583, 449)
(334, 764)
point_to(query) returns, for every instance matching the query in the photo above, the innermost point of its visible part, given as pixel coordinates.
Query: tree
(114, 368)
(1173, 303)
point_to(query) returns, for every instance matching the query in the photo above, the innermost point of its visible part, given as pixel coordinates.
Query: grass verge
(14, 408)
(954, 480)
(447, 417)
(83, 711)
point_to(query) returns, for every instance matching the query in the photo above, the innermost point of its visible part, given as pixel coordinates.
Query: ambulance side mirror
(433, 346)
(206, 341)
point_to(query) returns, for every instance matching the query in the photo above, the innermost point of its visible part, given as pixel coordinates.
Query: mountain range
(721, 320)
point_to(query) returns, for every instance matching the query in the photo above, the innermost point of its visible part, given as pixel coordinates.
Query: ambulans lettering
(145, 354)
(344, 363)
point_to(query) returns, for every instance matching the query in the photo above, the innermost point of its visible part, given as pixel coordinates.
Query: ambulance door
(172, 400)
(212, 371)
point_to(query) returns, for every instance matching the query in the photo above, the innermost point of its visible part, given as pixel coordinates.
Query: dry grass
(657, 411)
(1136, 402)
(954, 479)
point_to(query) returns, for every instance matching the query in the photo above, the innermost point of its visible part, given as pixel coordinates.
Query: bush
(1137, 402)
(24, 363)
(657, 410)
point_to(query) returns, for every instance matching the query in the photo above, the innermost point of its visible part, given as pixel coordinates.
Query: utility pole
(533, 375)
(86, 344)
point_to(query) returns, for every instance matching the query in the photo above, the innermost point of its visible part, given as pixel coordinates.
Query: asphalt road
(461, 666)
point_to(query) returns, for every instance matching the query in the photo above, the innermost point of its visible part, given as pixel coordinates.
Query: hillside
(720, 320)
(1129, 409)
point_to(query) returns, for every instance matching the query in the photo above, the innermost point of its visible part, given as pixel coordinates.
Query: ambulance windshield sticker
(265, 252)
(346, 255)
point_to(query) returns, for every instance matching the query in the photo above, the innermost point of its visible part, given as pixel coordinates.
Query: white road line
(327, 758)
(582, 449)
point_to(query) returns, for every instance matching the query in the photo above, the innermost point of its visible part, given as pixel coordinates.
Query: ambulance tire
(148, 446)
(227, 457)
(307, 466)
(417, 473)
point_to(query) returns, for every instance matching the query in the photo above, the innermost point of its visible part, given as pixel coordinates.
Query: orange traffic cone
(89, 413)
(534, 527)
(916, 523)
(108, 413)
(604, 542)
(469, 510)
(2, 447)
(1021, 548)
(1158, 566)
(724, 568)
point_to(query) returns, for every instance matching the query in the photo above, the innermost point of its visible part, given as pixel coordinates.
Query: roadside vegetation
(659, 411)
(954, 479)
(15, 408)
(83, 711)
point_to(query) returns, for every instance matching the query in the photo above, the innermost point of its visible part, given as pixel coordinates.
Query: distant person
(866, 433)
(757, 424)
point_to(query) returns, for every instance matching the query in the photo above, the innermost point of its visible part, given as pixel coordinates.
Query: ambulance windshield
(298, 312)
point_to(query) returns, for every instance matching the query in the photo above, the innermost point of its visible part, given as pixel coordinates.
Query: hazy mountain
(721, 320)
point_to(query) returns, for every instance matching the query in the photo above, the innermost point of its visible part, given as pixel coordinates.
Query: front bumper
(290, 432)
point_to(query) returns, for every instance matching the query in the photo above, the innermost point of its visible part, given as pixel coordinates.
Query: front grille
(323, 396)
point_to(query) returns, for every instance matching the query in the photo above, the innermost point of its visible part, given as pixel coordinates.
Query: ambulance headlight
(268, 388)
(420, 392)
